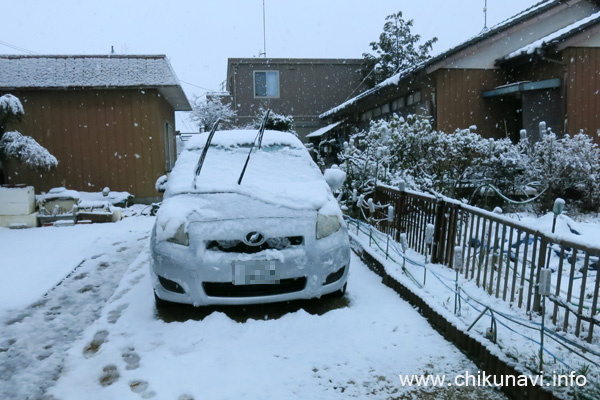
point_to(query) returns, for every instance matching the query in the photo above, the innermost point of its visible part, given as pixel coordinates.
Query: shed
(108, 119)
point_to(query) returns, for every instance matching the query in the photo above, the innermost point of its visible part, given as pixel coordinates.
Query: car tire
(340, 293)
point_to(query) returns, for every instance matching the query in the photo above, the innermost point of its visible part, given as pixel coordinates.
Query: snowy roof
(555, 37)
(395, 79)
(321, 131)
(93, 71)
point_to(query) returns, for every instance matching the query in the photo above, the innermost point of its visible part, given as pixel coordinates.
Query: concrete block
(30, 220)
(17, 201)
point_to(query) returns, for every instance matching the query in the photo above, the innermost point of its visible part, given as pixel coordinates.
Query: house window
(413, 98)
(385, 108)
(266, 83)
(377, 112)
(398, 104)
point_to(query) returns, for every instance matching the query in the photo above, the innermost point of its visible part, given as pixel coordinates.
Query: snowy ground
(98, 336)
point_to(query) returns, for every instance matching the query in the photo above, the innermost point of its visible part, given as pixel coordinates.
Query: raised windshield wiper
(259, 137)
(205, 150)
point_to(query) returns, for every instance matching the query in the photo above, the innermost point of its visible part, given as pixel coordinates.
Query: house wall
(307, 88)
(583, 90)
(101, 138)
(459, 104)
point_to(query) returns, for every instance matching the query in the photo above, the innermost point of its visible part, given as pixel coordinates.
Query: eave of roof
(553, 38)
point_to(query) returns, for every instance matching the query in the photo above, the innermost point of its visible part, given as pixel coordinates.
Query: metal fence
(501, 255)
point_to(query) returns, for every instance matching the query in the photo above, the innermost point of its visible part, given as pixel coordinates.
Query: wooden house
(109, 120)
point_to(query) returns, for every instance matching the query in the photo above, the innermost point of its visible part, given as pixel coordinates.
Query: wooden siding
(583, 90)
(459, 104)
(113, 138)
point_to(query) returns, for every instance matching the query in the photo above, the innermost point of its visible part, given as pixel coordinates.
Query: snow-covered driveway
(355, 349)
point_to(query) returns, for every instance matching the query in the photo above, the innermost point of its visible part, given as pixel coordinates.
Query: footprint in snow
(102, 266)
(80, 276)
(110, 375)
(114, 315)
(94, 346)
(121, 249)
(141, 388)
(131, 358)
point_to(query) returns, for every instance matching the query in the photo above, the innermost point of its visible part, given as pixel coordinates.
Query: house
(540, 65)
(109, 120)
(302, 88)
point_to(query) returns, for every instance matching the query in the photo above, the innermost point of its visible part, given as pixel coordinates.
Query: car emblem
(254, 239)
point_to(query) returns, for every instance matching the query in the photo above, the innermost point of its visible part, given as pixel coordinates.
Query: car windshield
(280, 172)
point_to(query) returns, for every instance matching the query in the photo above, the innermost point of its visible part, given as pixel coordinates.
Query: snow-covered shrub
(26, 150)
(11, 110)
(276, 122)
(569, 167)
(16, 146)
(410, 150)
(205, 113)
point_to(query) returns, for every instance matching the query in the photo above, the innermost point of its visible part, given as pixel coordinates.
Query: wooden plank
(531, 272)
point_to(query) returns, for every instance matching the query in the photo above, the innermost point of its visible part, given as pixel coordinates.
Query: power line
(15, 47)
(191, 84)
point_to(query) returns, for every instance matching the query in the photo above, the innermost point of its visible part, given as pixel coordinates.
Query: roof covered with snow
(321, 131)
(92, 71)
(554, 37)
(395, 79)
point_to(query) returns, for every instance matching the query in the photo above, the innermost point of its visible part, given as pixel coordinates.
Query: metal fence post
(438, 235)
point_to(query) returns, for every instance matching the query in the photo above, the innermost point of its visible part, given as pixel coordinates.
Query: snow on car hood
(186, 209)
(281, 172)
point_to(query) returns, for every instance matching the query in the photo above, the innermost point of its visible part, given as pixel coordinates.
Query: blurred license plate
(255, 272)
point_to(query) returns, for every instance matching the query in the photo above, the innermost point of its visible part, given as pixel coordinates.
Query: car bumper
(309, 271)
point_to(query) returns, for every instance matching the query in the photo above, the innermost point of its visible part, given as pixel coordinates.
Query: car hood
(186, 209)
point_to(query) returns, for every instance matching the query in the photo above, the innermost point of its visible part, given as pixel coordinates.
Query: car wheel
(341, 292)
(160, 303)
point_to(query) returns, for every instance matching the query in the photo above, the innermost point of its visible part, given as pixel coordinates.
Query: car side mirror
(334, 177)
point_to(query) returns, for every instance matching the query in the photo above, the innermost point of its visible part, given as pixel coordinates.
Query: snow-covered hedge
(409, 150)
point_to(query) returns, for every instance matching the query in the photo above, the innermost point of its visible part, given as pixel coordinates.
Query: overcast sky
(198, 36)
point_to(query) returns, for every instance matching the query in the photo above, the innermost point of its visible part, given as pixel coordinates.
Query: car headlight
(327, 225)
(180, 237)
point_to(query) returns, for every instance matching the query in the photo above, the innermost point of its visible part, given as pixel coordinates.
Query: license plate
(255, 272)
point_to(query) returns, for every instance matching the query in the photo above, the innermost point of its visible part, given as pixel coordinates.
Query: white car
(277, 235)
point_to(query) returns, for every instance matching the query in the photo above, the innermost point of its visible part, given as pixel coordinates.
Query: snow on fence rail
(502, 256)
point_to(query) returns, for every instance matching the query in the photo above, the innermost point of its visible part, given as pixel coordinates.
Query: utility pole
(485, 27)
(264, 52)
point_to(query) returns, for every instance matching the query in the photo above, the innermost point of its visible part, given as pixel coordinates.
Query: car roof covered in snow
(281, 172)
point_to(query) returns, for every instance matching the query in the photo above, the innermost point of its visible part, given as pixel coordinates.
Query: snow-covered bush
(205, 113)
(409, 150)
(11, 110)
(276, 122)
(26, 150)
(569, 167)
(13, 145)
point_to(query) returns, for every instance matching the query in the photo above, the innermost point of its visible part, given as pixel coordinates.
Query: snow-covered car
(278, 235)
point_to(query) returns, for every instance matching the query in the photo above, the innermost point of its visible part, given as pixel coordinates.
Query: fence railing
(501, 255)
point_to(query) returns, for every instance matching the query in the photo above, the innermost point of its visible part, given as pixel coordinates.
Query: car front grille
(228, 289)
(238, 246)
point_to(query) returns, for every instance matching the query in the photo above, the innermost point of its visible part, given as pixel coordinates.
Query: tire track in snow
(34, 340)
